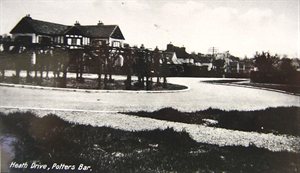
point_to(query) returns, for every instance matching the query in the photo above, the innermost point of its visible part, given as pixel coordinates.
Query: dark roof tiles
(29, 25)
(49, 28)
(97, 30)
(39, 27)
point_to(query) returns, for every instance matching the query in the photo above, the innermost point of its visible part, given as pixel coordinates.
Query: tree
(148, 70)
(219, 65)
(3, 62)
(265, 62)
(60, 62)
(77, 60)
(140, 65)
(164, 69)
(286, 69)
(156, 66)
(128, 66)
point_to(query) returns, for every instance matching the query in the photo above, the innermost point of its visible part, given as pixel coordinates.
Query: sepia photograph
(161, 86)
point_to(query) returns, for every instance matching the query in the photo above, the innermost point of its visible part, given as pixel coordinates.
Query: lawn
(90, 84)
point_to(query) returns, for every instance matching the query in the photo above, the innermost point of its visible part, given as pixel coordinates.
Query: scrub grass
(51, 140)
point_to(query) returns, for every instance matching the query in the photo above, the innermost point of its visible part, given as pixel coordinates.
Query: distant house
(204, 61)
(30, 30)
(182, 56)
(236, 65)
(171, 58)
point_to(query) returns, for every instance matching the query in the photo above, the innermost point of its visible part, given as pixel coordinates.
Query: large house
(30, 30)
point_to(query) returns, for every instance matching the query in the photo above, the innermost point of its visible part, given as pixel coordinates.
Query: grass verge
(91, 84)
(51, 140)
(281, 120)
(292, 89)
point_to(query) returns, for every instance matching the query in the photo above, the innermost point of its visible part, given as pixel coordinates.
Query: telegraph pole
(214, 50)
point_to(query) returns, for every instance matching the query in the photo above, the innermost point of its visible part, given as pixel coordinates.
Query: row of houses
(231, 64)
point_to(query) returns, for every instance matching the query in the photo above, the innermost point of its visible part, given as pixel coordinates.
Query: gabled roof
(97, 31)
(180, 51)
(29, 25)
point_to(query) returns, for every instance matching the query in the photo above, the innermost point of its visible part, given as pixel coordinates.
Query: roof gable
(117, 33)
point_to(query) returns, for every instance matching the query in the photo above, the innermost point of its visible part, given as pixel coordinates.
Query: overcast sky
(242, 27)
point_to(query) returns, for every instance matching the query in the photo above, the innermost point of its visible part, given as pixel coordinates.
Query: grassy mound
(281, 120)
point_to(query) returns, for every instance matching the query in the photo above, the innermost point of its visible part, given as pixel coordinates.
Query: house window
(78, 41)
(69, 41)
(57, 39)
(116, 44)
(84, 41)
(74, 41)
(44, 40)
(61, 39)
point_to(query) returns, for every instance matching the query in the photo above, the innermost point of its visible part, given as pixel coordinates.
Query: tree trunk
(2, 73)
(64, 77)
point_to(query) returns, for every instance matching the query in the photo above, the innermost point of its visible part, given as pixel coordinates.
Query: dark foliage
(271, 69)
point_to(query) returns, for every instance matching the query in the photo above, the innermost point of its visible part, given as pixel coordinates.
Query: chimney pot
(100, 22)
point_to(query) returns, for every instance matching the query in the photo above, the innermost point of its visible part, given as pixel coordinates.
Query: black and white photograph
(138, 86)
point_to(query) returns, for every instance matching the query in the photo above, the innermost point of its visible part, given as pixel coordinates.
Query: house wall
(174, 59)
(32, 35)
(186, 61)
(99, 40)
(116, 42)
(76, 40)
(38, 38)
(111, 41)
(209, 66)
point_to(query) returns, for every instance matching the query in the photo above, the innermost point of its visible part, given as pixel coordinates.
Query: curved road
(200, 96)
(101, 109)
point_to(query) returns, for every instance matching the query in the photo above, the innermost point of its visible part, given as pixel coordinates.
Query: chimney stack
(100, 23)
(77, 23)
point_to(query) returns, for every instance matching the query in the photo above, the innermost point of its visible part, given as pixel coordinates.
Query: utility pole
(214, 50)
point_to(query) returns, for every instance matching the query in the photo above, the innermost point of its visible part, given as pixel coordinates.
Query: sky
(241, 27)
